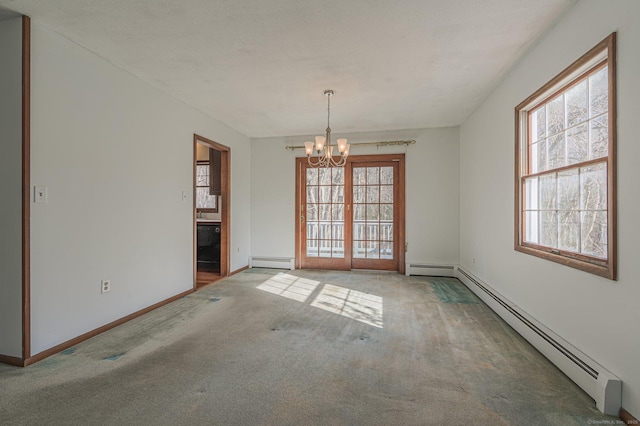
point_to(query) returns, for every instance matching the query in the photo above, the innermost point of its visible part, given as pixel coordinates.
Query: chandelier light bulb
(308, 147)
(342, 144)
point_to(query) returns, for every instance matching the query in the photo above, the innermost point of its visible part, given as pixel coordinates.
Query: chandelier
(323, 148)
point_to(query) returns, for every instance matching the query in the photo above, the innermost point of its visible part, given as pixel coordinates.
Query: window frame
(603, 54)
(204, 209)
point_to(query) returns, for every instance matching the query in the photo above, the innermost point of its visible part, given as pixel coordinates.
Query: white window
(565, 166)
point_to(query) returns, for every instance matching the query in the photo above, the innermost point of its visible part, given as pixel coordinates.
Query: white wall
(113, 212)
(11, 187)
(432, 181)
(598, 316)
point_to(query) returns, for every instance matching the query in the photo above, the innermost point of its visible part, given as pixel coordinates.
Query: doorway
(351, 217)
(211, 204)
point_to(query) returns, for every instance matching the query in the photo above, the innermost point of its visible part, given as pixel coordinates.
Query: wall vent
(603, 386)
(272, 262)
(429, 270)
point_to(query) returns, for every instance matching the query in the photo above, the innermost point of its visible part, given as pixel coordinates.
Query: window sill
(598, 267)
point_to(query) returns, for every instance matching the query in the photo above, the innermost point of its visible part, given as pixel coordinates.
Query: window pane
(531, 226)
(577, 106)
(325, 211)
(577, 144)
(386, 175)
(372, 250)
(312, 176)
(569, 230)
(386, 212)
(337, 175)
(556, 151)
(531, 194)
(359, 212)
(337, 249)
(325, 194)
(337, 195)
(569, 190)
(204, 200)
(549, 229)
(555, 116)
(202, 175)
(373, 211)
(312, 230)
(359, 194)
(312, 194)
(548, 192)
(324, 175)
(386, 232)
(312, 212)
(539, 161)
(359, 176)
(324, 231)
(337, 233)
(359, 249)
(599, 92)
(599, 138)
(386, 250)
(358, 231)
(386, 194)
(593, 187)
(337, 212)
(538, 124)
(594, 233)
(325, 248)
(373, 194)
(373, 175)
(312, 248)
(372, 231)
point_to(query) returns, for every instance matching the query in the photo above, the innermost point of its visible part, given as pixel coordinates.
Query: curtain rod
(381, 143)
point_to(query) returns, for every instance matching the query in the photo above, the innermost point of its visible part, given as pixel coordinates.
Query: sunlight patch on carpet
(289, 286)
(363, 307)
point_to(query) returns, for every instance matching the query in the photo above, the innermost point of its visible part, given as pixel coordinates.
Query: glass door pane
(373, 215)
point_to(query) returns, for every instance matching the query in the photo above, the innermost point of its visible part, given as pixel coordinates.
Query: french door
(351, 217)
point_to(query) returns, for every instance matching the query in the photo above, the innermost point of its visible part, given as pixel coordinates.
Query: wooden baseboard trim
(627, 418)
(11, 360)
(237, 271)
(69, 343)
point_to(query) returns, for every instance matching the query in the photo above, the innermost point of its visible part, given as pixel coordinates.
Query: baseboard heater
(429, 270)
(272, 262)
(603, 386)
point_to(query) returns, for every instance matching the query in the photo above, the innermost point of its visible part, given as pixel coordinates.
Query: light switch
(40, 194)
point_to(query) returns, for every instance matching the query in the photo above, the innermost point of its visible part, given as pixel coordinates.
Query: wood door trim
(225, 205)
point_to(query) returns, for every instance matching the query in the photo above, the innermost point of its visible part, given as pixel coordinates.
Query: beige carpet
(302, 348)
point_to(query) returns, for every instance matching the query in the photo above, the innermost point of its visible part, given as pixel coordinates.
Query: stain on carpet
(114, 357)
(452, 291)
(69, 351)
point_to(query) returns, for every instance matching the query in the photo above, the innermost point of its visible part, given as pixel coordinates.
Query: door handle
(301, 218)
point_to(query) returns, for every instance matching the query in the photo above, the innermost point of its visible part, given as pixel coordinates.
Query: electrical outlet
(185, 196)
(238, 249)
(105, 286)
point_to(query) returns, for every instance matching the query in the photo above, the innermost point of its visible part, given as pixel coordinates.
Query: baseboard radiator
(429, 269)
(602, 385)
(272, 262)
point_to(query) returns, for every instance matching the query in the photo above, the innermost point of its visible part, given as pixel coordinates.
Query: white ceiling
(261, 66)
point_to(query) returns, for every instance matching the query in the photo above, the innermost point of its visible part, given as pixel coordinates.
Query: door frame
(399, 199)
(225, 205)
